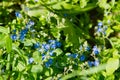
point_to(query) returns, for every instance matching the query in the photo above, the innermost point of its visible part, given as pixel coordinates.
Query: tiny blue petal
(31, 23)
(51, 41)
(22, 37)
(37, 45)
(100, 24)
(50, 61)
(51, 53)
(24, 31)
(87, 48)
(82, 57)
(58, 44)
(74, 55)
(46, 47)
(47, 64)
(43, 56)
(17, 14)
(31, 60)
(96, 63)
(99, 29)
(14, 37)
(95, 50)
(90, 63)
(53, 46)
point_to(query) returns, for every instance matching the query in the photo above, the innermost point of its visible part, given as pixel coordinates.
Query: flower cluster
(88, 54)
(95, 50)
(93, 63)
(101, 29)
(24, 31)
(47, 50)
(49, 63)
(18, 14)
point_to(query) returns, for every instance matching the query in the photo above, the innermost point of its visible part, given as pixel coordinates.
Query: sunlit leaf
(112, 65)
(8, 44)
(4, 30)
(37, 68)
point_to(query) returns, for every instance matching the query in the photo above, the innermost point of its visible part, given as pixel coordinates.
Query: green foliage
(59, 39)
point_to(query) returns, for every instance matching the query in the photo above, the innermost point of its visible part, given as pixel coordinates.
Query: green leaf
(4, 30)
(115, 53)
(103, 4)
(116, 28)
(28, 42)
(20, 66)
(36, 56)
(2, 40)
(83, 3)
(49, 72)
(108, 32)
(55, 32)
(38, 11)
(37, 68)
(67, 8)
(8, 44)
(49, 78)
(112, 65)
(73, 34)
(58, 51)
(85, 72)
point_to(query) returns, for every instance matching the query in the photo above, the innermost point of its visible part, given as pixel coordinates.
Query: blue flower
(14, 37)
(51, 41)
(100, 24)
(43, 56)
(24, 31)
(90, 63)
(73, 55)
(82, 57)
(22, 34)
(54, 43)
(46, 46)
(31, 60)
(87, 48)
(95, 50)
(37, 45)
(30, 24)
(22, 37)
(51, 53)
(58, 44)
(49, 63)
(17, 14)
(102, 30)
(93, 63)
(96, 62)
(99, 30)
(53, 46)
